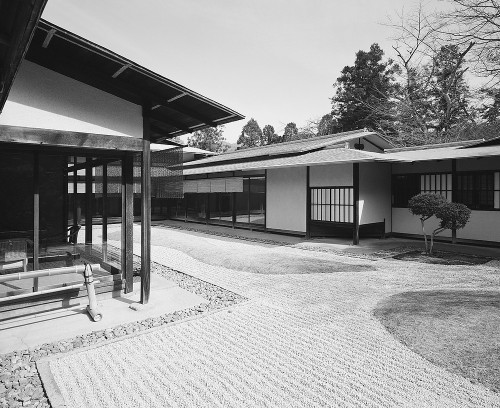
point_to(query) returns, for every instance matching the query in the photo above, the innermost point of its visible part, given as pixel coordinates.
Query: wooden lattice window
(332, 204)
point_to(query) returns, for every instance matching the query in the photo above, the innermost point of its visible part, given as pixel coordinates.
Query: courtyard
(302, 338)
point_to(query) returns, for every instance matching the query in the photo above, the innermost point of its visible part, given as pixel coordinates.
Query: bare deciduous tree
(478, 22)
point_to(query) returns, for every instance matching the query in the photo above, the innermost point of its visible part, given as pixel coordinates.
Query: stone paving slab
(304, 340)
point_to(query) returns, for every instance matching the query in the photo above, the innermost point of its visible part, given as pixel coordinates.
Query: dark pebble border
(224, 235)
(20, 384)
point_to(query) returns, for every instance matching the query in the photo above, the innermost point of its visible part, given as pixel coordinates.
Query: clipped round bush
(452, 215)
(425, 205)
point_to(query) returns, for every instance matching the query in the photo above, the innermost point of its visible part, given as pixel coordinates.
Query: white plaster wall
(286, 199)
(41, 98)
(331, 175)
(375, 193)
(482, 225)
(405, 223)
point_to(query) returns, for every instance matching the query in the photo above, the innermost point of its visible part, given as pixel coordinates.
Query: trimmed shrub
(425, 205)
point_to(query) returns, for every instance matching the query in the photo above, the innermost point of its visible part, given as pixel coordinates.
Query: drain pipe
(89, 283)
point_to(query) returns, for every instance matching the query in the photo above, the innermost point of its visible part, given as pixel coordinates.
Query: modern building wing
(352, 183)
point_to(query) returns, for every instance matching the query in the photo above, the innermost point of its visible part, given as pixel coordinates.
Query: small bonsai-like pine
(451, 216)
(425, 205)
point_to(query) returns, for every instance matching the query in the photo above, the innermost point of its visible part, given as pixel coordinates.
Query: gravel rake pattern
(304, 340)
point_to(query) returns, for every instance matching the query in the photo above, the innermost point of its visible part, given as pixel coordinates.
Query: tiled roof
(338, 155)
(443, 153)
(294, 147)
(457, 145)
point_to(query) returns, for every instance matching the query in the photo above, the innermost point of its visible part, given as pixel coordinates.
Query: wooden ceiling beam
(224, 118)
(93, 163)
(48, 37)
(60, 138)
(120, 70)
(177, 97)
(170, 136)
(161, 125)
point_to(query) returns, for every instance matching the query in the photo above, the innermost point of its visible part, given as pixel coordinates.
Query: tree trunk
(425, 236)
(434, 233)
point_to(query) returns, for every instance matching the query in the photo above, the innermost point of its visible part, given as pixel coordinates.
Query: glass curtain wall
(221, 208)
(247, 207)
(251, 203)
(52, 193)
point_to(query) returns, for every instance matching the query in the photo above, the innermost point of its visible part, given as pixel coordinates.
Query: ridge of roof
(294, 146)
(310, 139)
(458, 144)
(319, 157)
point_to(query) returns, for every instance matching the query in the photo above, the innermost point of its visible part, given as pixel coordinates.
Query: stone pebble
(20, 383)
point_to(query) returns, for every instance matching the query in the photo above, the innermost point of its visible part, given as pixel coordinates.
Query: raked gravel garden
(284, 327)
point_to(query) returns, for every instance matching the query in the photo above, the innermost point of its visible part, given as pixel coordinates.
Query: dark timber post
(66, 200)
(76, 220)
(146, 207)
(36, 216)
(265, 199)
(88, 201)
(104, 212)
(454, 194)
(233, 218)
(308, 203)
(128, 222)
(355, 180)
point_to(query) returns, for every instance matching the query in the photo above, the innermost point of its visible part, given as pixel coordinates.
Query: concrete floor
(27, 332)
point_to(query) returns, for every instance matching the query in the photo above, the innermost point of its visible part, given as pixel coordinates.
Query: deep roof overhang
(175, 109)
(18, 20)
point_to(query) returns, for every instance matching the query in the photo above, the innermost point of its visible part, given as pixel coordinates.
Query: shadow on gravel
(251, 257)
(458, 330)
(279, 264)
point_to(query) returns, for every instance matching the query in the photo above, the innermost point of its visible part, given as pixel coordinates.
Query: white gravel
(303, 340)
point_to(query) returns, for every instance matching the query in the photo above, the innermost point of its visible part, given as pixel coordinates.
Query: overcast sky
(273, 60)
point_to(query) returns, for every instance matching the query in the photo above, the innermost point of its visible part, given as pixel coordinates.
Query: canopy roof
(294, 147)
(320, 157)
(444, 153)
(176, 110)
(18, 20)
(322, 152)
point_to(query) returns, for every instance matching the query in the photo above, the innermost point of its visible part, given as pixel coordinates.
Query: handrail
(47, 272)
(86, 269)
